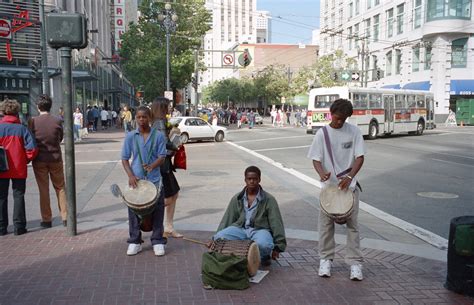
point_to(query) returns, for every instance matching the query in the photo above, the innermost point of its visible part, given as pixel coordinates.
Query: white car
(194, 128)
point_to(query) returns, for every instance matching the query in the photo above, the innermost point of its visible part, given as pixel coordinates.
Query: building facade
(97, 74)
(264, 27)
(410, 44)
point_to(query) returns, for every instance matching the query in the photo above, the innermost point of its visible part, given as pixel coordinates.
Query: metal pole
(44, 52)
(362, 56)
(168, 58)
(66, 77)
(196, 75)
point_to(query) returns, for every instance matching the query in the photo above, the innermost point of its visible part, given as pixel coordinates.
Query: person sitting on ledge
(253, 214)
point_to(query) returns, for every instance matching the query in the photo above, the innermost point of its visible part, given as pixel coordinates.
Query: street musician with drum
(253, 214)
(338, 152)
(147, 148)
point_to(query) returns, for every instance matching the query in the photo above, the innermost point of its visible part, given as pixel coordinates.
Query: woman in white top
(78, 119)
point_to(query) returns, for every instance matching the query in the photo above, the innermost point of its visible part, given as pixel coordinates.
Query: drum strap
(328, 145)
(150, 151)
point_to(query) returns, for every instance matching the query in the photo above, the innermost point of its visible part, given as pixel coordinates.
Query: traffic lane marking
(270, 139)
(452, 162)
(282, 148)
(425, 235)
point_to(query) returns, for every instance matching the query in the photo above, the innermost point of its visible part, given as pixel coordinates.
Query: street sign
(169, 95)
(5, 28)
(355, 75)
(345, 75)
(228, 59)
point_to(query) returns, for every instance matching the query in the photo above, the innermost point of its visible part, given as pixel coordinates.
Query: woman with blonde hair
(159, 110)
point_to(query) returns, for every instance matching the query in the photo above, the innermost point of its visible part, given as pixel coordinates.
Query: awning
(396, 86)
(462, 87)
(418, 86)
(83, 75)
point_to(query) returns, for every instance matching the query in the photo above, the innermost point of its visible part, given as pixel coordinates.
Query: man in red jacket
(20, 149)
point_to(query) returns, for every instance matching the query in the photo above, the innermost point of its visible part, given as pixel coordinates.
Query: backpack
(224, 271)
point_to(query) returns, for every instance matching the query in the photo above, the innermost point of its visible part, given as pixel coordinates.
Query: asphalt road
(398, 171)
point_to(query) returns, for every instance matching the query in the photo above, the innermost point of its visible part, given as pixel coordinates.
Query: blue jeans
(134, 224)
(262, 237)
(76, 132)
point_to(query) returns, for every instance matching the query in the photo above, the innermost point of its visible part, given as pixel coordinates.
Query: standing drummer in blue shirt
(148, 149)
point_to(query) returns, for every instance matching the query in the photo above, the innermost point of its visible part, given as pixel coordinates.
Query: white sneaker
(159, 249)
(134, 249)
(356, 272)
(325, 268)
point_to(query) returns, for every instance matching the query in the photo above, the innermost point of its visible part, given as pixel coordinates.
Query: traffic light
(246, 58)
(378, 74)
(335, 76)
(35, 67)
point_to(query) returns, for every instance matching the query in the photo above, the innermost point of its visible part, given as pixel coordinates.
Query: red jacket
(19, 145)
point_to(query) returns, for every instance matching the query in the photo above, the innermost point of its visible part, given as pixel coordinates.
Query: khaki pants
(54, 170)
(327, 243)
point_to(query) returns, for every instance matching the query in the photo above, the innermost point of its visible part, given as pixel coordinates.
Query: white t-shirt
(347, 144)
(77, 118)
(103, 115)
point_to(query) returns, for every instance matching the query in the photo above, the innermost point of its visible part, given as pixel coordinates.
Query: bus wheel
(420, 128)
(372, 131)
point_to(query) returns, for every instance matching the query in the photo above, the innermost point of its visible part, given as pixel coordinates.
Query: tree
(144, 46)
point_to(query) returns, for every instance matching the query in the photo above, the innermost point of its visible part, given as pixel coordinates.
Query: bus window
(420, 101)
(375, 101)
(400, 101)
(359, 100)
(324, 101)
(411, 99)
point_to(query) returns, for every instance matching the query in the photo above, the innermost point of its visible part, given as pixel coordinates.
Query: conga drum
(337, 204)
(141, 200)
(241, 248)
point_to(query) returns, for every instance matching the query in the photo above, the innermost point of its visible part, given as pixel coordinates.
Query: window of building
(446, 9)
(398, 58)
(376, 27)
(376, 2)
(400, 11)
(417, 14)
(428, 58)
(367, 28)
(332, 42)
(357, 7)
(459, 53)
(416, 59)
(369, 4)
(388, 63)
(351, 9)
(356, 35)
(375, 67)
(390, 22)
(333, 21)
(341, 15)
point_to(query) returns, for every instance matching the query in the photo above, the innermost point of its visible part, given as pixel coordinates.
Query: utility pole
(196, 81)
(44, 52)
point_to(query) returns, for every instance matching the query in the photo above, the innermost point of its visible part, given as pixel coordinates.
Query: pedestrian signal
(335, 76)
(35, 67)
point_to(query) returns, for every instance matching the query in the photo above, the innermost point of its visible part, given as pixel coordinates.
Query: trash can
(465, 111)
(460, 275)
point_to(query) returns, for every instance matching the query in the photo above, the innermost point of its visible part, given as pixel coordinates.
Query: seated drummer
(148, 149)
(253, 214)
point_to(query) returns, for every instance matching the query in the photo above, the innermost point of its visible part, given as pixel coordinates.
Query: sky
(292, 20)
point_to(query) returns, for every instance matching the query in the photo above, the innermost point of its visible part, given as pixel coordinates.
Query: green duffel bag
(464, 240)
(224, 271)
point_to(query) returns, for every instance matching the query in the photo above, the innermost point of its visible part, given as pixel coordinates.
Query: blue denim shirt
(149, 154)
(249, 211)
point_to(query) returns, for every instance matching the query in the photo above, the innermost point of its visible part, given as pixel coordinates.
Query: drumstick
(196, 241)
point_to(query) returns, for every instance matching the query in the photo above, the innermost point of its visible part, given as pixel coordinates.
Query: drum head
(253, 258)
(144, 194)
(336, 201)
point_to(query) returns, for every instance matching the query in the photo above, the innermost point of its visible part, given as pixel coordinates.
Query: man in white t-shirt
(347, 146)
(104, 114)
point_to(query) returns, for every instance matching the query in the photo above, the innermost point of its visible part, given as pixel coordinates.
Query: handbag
(180, 158)
(3, 160)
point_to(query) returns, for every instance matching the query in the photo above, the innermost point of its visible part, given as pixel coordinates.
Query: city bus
(376, 111)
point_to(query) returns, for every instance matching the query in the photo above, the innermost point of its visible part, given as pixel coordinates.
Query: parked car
(194, 128)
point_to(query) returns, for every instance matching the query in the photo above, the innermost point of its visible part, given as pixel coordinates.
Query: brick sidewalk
(48, 267)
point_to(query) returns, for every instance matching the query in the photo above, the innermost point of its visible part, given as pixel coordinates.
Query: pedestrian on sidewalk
(47, 131)
(337, 158)
(78, 122)
(104, 114)
(126, 119)
(253, 214)
(20, 149)
(159, 111)
(147, 147)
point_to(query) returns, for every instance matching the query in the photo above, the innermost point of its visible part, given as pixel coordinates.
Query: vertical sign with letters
(119, 23)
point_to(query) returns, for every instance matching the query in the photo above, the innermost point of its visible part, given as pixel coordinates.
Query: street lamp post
(168, 19)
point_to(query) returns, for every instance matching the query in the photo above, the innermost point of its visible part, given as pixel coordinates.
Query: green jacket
(267, 216)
